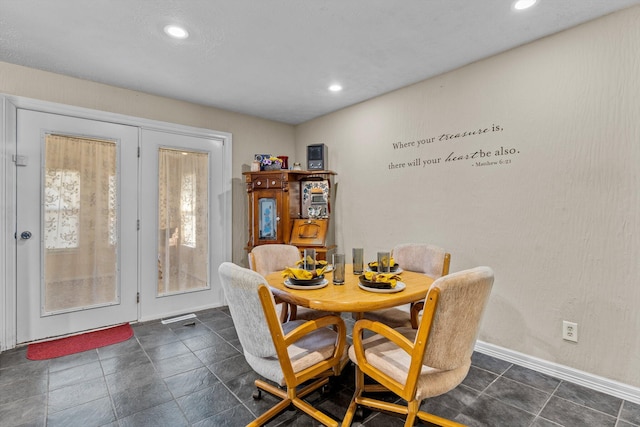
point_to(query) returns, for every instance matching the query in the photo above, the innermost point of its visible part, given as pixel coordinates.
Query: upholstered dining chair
(419, 257)
(289, 354)
(266, 259)
(432, 360)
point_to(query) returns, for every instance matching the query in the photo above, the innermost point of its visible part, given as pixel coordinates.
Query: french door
(115, 222)
(76, 224)
(182, 222)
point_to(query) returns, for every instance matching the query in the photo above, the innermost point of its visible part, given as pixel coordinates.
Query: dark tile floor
(176, 375)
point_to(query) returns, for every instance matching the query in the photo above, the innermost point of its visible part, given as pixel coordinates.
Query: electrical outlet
(569, 331)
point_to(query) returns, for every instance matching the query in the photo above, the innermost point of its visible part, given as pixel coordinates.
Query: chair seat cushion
(311, 349)
(390, 359)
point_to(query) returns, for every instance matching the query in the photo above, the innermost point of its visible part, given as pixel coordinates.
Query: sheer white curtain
(80, 222)
(183, 243)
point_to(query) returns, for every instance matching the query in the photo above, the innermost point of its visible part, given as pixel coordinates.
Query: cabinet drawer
(267, 181)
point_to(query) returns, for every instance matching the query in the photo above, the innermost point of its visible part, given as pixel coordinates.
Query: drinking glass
(383, 262)
(309, 262)
(358, 260)
(338, 269)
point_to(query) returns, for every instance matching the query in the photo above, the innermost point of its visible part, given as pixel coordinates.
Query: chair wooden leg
(416, 308)
(353, 406)
(314, 413)
(382, 405)
(434, 419)
(293, 397)
(311, 388)
(264, 418)
(351, 410)
(272, 412)
(293, 311)
(296, 398)
(284, 312)
(271, 389)
(412, 410)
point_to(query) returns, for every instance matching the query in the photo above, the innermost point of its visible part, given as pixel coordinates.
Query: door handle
(25, 235)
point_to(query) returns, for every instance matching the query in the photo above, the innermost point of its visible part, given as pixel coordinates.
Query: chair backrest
(266, 259)
(240, 287)
(456, 322)
(422, 258)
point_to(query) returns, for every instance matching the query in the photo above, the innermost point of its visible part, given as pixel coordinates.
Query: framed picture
(259, 157)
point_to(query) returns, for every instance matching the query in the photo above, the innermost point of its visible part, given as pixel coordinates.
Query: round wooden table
(349, 297)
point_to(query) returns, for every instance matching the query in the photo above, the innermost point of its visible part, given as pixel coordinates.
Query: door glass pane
(80, 223)
(268, 225)
(183, 218)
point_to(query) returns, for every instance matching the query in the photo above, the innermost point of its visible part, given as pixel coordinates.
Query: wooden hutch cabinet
(291, 207)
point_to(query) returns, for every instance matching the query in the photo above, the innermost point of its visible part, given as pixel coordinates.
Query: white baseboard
(594, 382)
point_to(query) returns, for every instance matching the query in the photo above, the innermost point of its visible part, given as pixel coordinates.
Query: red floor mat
(78, 343)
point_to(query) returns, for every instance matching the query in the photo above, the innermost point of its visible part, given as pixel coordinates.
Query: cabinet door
(267, 211)
(309, 232)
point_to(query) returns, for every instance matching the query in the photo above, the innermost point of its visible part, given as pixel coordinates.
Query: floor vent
(178, 319)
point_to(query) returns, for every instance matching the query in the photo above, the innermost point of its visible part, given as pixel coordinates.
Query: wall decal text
(478, 157)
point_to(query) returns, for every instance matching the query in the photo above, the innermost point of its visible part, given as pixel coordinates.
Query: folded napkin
(390, 278)
(302, 274)
(310, 260)
(392, 262)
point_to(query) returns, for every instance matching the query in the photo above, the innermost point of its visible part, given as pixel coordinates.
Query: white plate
(322, 284)
(399, 287)
(398, 271)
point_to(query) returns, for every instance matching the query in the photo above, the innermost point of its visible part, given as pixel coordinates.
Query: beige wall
(250, 135)
(558, 220)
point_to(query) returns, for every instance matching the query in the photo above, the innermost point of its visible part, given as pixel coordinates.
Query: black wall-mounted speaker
(317, 157)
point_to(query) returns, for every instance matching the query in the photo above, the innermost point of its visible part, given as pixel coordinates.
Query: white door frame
(8, 108)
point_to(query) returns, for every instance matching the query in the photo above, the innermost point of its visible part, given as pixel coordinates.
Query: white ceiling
(274, 58)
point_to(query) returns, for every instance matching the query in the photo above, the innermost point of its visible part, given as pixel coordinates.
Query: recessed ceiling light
(176, 32)
(523, 4)
(335, 88)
